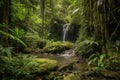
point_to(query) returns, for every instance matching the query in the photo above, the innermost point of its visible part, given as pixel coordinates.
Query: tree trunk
(6, 17)
(43, 11)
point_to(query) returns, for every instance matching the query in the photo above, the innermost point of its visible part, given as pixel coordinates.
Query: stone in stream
(67, 65)
(68, 53)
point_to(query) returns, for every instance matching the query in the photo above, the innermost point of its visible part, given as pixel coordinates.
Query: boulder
(46, 64)
(57, 47)
(111, 74)
(67, 65)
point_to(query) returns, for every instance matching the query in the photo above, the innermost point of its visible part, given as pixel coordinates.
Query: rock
(68, 53)
(104, 75)
(38, 78)
(46, 65)
(57, 47)
(71, 76)
(67, 65)
(111, 74)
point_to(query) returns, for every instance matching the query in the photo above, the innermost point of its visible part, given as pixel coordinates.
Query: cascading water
(65, 30)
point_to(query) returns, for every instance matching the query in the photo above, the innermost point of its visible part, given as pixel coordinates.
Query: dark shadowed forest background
(59, 39)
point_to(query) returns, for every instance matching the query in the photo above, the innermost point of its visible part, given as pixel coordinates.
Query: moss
(71, 77)
(57, 47)
(46, 64)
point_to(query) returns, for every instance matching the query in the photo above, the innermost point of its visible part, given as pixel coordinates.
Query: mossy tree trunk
(103, 21)
(103, 11)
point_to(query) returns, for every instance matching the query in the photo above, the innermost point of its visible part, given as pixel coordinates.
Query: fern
(13, 37)
(17, 32)
(96, 61)
(20, 66)
(6, 51)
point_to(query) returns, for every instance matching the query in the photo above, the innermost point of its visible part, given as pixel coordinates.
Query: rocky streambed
(70, 67)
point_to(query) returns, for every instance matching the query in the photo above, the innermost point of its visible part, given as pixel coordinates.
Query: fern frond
(13, 37)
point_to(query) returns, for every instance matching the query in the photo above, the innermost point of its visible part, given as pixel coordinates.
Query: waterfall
(65, 30)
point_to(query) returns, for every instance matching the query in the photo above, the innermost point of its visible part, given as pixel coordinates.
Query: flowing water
(67, 57)
(65, 30)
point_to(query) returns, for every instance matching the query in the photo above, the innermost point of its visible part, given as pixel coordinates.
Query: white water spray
(65, 30)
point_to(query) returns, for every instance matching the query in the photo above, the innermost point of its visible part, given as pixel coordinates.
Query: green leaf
(13, 37)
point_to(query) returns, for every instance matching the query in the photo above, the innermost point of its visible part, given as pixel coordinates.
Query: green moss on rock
(71, 76)
(57, 47)
(46, 64)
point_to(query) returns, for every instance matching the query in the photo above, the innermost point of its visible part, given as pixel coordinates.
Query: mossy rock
(111, 74)
(33, 50)
(57, 47)
(71, 76)
(46, 64)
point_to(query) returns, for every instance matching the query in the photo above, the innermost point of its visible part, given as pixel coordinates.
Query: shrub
(113, 62)
(57, 47)
(97, 62)
(87, 47)
(19, 67)
(33, 40)
(22, 66)
(41, 44)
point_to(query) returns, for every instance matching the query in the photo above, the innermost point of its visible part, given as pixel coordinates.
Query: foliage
(18, 67)
(6, 51)
(18, 10)
(100, 62)
(97, 62)
(22, 66)
(57, 47)
(13, 37)
(33, 40)
(87, 47)
(17, 32)
(113, 62)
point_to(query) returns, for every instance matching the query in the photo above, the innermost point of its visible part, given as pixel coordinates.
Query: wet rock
(68, 53)
(67, 66)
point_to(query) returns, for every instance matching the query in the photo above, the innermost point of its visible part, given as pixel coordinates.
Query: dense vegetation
(33, 27)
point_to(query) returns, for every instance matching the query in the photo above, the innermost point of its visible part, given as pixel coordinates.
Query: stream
(67, 57)
(79, 66)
